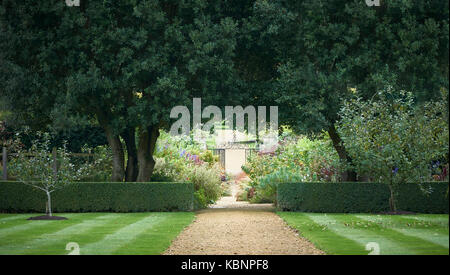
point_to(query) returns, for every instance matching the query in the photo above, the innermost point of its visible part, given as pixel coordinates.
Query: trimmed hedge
(360, 197)
(99, 197)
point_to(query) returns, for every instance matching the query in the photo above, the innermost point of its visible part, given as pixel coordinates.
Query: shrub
(393, 140)
(298, 159)
(99, 168)
(168, 171)
(200, 200)
(205, 177)
(267, 188)
(209, 157)
(242, 195)
(207, 180)
(100, 197)
(181, 158)
(361, 197)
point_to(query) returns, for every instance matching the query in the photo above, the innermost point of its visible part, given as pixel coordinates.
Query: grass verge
(349, 234)
(95, 233)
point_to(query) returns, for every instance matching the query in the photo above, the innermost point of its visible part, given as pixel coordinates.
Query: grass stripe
(12, 217)
(158, 237)
(19, 226)
(428, 231)
(432, 218)
(396, 242)
(89, 229)
(112, 223)
(46, 243)
(38, 231)
(112, 242)
(10, 228)
(321, 236)
(436, 238)
(361, 236)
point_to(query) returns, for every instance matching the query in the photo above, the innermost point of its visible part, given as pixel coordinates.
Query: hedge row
(99, 197)
(361, 197)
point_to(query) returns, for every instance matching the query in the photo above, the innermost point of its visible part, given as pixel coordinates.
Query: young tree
(392, 141)
(45, 169)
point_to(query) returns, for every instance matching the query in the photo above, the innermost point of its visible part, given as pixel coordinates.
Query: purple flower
(436, 164)
(395, 170)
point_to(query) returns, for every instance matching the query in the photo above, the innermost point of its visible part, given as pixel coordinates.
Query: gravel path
(239, 228)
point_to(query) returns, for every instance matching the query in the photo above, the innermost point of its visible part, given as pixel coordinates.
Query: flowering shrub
(298, 158)
(169, 171)
(182, 159)
(207, 183)
(268, 184)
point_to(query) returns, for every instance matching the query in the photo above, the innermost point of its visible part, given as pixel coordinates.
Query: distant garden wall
(17, 197)
(360, 197)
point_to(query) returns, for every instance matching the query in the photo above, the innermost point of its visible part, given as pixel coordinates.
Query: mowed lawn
(95, 233)
(350, 233)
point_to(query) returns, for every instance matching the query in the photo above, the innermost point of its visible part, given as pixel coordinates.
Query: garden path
(232, 227)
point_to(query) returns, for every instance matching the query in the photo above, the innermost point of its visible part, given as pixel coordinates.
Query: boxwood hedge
(99, 197)
(361, 197)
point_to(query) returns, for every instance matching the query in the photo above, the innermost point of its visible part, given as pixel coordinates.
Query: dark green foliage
(412, 198)
(76, 138)
(360, 197)
(312, 52)
(124, 64)
(92, 136)
(99, 197)
(200, 200)
(307, 55)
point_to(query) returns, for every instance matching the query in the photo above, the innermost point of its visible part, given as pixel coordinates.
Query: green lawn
(350, 233)
(95, 233)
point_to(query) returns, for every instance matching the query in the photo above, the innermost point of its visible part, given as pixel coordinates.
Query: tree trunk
(147, 143)
(131, 172)
(348, 175)
(49, 204)
(115, 144)
(392, 201)
(118, 155)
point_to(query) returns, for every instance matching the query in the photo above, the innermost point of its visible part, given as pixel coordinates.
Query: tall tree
(125, 63)
(314, 54)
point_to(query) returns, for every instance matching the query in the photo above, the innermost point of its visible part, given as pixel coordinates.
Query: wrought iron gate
(221, 154)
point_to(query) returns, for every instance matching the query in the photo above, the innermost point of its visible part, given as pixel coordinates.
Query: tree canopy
(125, 64)
(315, 54)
